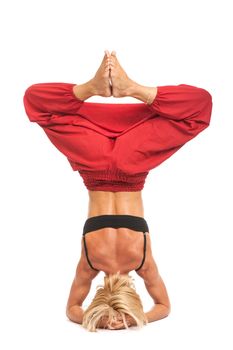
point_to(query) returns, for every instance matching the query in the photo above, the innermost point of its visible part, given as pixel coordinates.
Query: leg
(99, 85)
(144, 93)
(123, 86)
(55, 107)
(179, 113)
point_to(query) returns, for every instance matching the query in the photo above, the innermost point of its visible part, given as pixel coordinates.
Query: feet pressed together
(112, 80)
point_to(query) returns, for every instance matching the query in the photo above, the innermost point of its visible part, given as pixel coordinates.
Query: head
(116, 296)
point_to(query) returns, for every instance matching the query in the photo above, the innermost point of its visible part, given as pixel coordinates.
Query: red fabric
(113, 146)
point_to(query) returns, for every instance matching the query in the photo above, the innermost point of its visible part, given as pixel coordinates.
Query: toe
(107, 53)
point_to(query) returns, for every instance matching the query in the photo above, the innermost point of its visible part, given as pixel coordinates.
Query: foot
(101, 81)
(121, 83)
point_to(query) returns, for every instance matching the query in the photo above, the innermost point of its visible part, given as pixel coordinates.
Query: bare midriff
(115, 203)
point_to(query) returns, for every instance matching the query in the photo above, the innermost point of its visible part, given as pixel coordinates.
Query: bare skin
(149, 273)
(111, 79)
(106, 247)
(123, 86)
(121, 83)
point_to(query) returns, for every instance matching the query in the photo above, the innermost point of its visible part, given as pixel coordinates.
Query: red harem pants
(115, 145)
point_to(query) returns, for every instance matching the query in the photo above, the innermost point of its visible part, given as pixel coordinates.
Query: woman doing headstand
(113, 147)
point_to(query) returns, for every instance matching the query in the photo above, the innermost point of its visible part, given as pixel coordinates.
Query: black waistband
(132, 222)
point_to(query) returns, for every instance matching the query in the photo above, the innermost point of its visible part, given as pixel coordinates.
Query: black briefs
(136, 223)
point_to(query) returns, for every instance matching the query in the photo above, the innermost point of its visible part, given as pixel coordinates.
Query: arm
(157, 290)
(79, 290)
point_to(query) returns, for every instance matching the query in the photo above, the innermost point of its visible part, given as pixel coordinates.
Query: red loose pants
(115, 145)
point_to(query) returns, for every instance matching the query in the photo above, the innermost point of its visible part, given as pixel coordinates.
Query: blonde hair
(117, 296)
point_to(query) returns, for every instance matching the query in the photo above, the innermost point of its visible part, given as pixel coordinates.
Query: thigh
(152, 142)
(84, 148)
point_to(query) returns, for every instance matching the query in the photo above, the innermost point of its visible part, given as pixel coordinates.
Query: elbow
(71, 317)
(68, 314)
(167, 310)
(75, 313)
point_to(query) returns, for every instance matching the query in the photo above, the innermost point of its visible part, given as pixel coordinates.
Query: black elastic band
(136, 223)
(85, 246)
(144, 252)
(132, 222)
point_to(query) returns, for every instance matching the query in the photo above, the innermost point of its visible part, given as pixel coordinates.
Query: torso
(109, 249)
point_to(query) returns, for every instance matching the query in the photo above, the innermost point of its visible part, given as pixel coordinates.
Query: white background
(187, 200)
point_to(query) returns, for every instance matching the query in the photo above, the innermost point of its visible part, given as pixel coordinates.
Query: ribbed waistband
(113, 180)
(132, 222)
